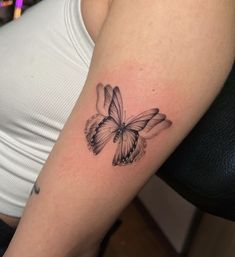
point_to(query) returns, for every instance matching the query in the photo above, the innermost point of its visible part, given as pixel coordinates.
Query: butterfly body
(109, 124)
(119, 132)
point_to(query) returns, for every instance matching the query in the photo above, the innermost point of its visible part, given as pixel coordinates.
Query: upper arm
(170, 55)
(175, 55)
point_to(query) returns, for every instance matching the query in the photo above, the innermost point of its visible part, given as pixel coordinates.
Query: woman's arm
(171, 55)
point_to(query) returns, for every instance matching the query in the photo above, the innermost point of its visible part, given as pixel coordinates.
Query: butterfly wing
(155, 126)
(116, 106)
(140, 121)
(99, 130)
(149, 123)
(104, 98)
(131, 147)
(101, 127)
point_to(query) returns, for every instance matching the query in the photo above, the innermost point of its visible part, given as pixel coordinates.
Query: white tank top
(44, 61)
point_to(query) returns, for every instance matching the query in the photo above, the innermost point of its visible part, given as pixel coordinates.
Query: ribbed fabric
(45, 57)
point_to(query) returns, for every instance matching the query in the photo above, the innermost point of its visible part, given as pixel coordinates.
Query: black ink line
(35, 189)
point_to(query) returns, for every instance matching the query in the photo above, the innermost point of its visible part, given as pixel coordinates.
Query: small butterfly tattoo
(130, 135)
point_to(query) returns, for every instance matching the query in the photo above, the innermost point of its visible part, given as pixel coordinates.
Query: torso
(94, 13)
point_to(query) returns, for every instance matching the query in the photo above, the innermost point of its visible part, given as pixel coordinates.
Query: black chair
(202, 168)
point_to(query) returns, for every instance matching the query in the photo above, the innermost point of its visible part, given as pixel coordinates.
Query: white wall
(172, 213)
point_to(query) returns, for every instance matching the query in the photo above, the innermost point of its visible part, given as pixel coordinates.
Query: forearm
(82, 194)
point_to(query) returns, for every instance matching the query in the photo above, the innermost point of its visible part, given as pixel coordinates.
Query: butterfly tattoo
(130, 135)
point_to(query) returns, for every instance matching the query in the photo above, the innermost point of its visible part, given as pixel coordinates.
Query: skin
(175, 56)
